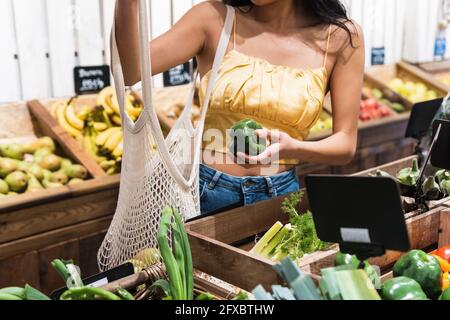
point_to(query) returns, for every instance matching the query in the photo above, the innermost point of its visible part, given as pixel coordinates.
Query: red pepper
(443, 252)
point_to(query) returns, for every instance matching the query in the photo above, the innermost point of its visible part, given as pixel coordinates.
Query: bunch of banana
(64, 112)
(104, 154)
(107, 98)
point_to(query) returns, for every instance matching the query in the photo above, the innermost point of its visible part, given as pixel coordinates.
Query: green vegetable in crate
(179, 261)
(442, 175)
(445, 295)
(245, 139)
(431, 189)
(445, 187)
(380, 173)
(402, 288)
(344, 259)
(423, 268)
(88, 293)
(26, 293)
(409, 176)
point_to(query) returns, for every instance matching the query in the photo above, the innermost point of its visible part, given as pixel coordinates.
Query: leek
(262, 243)
(356, 285)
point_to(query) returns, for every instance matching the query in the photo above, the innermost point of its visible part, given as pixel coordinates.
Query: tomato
(443, 252)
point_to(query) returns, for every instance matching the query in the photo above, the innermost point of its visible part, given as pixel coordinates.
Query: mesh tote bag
(156, 171)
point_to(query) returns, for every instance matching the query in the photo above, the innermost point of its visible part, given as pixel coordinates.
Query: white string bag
(156, 172)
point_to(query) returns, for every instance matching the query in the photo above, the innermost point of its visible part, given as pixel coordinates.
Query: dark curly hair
(327, 11)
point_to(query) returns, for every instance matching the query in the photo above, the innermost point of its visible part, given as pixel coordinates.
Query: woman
(282, 59)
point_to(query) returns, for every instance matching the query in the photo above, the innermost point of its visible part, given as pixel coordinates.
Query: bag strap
(146, 76)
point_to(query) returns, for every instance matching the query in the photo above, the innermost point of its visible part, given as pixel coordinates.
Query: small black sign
(179, 75)
(378, 55)
(91, 79)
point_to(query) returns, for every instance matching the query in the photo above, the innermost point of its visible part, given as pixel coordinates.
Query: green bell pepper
(423, 268)
(445, 295)
(245, 139)
(402, 288)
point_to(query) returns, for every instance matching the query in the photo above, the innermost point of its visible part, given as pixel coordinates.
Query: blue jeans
(220, 191)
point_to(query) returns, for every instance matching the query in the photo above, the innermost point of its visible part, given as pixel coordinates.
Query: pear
(36, 171)
(33, 184)
(7, 166)
(41, 154)
(4, 187)
(74, 182)
(59, 177)
(44, 142)
(65, 163)
(23, 166)
(51, 162)
(17, 181)
(75, 171)
(47, 174)
(14, 151)
(51, 185)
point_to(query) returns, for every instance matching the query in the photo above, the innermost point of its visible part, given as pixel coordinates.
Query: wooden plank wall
(42, 40)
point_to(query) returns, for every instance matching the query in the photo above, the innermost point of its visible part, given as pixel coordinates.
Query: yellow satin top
(278, 97)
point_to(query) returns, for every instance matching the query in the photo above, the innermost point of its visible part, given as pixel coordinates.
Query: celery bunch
(295, 239)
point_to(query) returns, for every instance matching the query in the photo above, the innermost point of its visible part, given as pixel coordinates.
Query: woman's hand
(281, 146)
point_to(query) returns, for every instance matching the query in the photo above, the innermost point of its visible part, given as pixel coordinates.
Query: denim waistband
(247, 184)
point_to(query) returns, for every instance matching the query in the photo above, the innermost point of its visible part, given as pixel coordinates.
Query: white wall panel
(32, 43)
(9, 67)
(89, 42)
(61, 45)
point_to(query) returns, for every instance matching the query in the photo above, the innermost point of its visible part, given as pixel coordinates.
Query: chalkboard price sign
(378, 55)
(178, 75)
(91, 79)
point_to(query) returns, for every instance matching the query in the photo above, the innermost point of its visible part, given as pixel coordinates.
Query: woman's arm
(185, 40)
(345, 84)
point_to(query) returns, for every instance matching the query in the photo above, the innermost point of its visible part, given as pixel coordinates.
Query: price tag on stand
(91, 79)
(179, 75)
(363, 214)
(440, 155)
(378, 56)
(422, 116)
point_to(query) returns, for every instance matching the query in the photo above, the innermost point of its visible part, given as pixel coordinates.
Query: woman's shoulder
(209, 12)
(346, 34)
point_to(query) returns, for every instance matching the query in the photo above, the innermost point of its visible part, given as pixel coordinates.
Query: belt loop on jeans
(271, 190)
(214, 180)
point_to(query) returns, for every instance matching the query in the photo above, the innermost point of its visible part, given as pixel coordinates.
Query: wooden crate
(381, 75)
(439, 71)
(220, 243)
(51, 127)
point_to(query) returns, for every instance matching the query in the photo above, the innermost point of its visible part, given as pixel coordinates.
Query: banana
(118, 151)
(84, 113)
(100, 126)
(113, 141)
(54, 107)
(72, 118)
(60, 113)
(101, 99)
(101, 139)
(133, 112)
(116, 120)
(107, 164)
(90, 146)
(112, 102)
(107, 120)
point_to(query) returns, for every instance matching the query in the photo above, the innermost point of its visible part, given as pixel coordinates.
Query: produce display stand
(438, 70)
(220, 243)
(68, 222)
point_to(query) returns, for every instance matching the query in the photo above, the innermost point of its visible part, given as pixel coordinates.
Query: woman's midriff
(225, 163)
